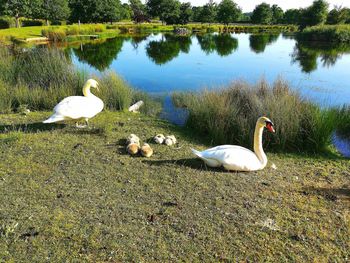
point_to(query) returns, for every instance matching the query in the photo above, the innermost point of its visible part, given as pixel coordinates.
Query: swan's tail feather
(197, 153)
(54, 118)
(210, 162)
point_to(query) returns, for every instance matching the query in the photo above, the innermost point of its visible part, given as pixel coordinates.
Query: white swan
(237, 158)
(78, 107)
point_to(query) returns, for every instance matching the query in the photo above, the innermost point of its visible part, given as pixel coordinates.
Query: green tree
(19, 8)
(277, 14)
(337, 15)
(208, 14)
(95, 11)
(315, 14)
(138, 11)
(82, 10)
(107, 11)
(185, 13)
(54, 10)
(347, 10)
(228, 12)
(170, 11)
(292, 16)
(196, 13)
(262, 14)
(126, 12)
(246, 17)
(167, 10)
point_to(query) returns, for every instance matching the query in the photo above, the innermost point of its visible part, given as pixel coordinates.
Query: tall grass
(116, 94)
(229, 116)
(59, 33)
(119, 95)
(38, 77)
(41, 77)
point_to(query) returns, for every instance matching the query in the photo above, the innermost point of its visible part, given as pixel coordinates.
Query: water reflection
(307, 54)
(258, 42)
(223, 44)
(100, 55)
(342, 144)
(136, 40)
(168, 48)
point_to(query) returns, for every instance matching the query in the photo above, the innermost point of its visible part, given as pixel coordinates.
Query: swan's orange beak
(269, 126)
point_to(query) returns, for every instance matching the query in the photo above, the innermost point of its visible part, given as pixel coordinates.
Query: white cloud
(249, 5)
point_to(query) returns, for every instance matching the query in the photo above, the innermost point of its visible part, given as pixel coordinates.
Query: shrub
(112, 26)
(54, 34)
(7, 22)
(31, 22)
(72, 30)
(229, 116)
(326, 33)
(99, 28)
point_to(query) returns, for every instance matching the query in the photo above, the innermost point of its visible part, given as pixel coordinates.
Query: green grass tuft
(229, 116)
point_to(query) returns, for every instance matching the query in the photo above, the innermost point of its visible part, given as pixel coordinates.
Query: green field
(72, 194)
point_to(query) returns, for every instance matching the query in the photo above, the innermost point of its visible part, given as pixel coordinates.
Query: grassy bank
(206, 28)
(38, 79)
(75, 195)
(55, 33)
(229, 116)
(71, 32)
(326, 33)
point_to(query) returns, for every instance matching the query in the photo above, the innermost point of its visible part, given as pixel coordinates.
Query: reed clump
(114, 91)
(59, 34)
(229, 116)
(41, 77)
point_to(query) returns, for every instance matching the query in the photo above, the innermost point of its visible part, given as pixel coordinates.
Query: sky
(249, 5)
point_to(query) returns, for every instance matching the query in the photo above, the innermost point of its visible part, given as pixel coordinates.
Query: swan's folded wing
(231, 155)
(75, 107)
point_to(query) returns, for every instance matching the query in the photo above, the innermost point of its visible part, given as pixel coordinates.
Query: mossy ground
(72, 194)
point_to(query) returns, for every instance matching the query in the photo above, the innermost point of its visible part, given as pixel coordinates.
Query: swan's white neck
(86, 90)
(258, 148)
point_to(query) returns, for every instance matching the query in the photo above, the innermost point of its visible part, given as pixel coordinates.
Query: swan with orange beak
(237, 158)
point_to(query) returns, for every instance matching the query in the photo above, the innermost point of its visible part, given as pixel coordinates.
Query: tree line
(170, 12)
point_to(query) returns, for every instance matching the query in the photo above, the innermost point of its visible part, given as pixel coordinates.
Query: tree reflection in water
(168, 48)
(100, 55)
(307, 53)
(258, 42)
(223, 44)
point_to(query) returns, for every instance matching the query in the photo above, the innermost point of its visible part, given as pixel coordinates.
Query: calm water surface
(164, 63)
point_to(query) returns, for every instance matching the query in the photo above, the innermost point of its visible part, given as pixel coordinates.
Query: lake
(163, 63)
